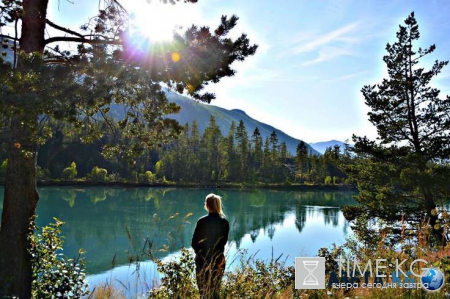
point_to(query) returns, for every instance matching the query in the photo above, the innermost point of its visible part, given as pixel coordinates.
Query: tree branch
(67, 30)
(9, 37)
(82, 40)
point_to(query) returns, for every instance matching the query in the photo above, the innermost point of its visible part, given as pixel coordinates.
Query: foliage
(159, 168)
(98, 174)
(55, 276)
(412, 246)
(259, 279)
(330, 257)
(70, 173)
(179, 278)
(238, 158)
(183, 160)
(250, 280)
(3, 166)
(42, 174)
(405, 175)
(147, 177)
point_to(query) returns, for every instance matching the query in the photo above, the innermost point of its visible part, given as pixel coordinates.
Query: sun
(158, 21)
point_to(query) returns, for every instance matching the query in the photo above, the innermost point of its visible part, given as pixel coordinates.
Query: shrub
(70, 172)
(98, 174)
(258, 279)
(113, 177)
(54, 275)
(42, 173)
(147, 177)
(159, 169)
(178, 280)
(3, 168)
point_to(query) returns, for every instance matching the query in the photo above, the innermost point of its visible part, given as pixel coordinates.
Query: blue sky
(314, 56)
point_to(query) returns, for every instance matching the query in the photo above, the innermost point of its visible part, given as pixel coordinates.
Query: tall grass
(255, 278)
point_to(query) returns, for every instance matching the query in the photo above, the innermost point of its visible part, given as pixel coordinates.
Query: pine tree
(210, 146)
(242, 150)
(231, 163)
(404, 175)
(302, 158)
(257, 152)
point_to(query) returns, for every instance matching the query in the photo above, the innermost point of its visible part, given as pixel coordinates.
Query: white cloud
(333, 36)
(346, 77)
(329, 53)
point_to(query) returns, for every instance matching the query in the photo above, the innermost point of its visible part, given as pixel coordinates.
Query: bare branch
(82, 40)
(67, 30)
(9, 37)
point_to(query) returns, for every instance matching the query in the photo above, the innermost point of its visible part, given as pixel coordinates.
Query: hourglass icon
(310, 279)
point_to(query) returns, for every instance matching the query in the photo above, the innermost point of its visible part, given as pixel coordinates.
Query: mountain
(323, 145)
(201, 113)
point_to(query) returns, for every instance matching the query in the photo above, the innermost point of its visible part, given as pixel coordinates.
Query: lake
(113, 223)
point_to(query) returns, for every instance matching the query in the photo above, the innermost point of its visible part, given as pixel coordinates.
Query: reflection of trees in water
(254, 234)
(331, 216)
(323, 198)
(300, 218)
(271, 231)
(97, 217)
(345, 227)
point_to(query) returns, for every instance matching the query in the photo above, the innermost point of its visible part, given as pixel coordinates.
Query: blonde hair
(213, 204)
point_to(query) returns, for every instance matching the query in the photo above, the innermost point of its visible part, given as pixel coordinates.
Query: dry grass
(107, 292)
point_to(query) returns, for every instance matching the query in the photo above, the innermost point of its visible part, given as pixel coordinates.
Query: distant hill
(323, 145)
(200, 112)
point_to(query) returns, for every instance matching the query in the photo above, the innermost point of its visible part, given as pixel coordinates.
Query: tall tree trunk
(21, 197)
(19, 206)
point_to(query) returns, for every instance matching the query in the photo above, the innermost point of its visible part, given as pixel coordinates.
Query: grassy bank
(254, 278)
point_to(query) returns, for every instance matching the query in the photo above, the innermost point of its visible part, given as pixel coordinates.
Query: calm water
(111, 224)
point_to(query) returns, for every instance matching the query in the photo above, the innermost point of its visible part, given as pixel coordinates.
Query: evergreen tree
(284, 154)
(242, 150)
(274, 144)
(194, 148)
(210, 140)
(231, 159)
(404, 176)
(267, 161)
(302, 158)
(257, 152)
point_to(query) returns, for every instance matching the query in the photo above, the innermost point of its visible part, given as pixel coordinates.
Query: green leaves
(55, 276)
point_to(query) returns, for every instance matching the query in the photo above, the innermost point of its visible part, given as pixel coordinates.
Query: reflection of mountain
(97, 218)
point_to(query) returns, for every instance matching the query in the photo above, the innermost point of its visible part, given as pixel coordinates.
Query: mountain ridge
(200, 112)
(323, 145)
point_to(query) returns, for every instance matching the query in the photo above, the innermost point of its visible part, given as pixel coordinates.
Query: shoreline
(293, 187)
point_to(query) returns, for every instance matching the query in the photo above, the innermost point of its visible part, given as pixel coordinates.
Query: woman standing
(208, 241)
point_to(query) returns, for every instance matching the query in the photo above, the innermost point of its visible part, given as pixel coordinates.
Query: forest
(193, 158)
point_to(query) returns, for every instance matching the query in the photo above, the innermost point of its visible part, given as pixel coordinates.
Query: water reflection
(111, 224)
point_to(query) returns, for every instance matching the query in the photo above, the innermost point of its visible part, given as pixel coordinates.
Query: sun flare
(159, 21)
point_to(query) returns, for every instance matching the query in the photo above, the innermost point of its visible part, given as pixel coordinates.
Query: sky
(313, 57)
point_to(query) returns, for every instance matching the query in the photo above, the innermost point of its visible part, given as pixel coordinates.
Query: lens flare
(175, 57)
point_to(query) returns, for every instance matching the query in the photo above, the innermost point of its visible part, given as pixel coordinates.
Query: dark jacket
(210, 236)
